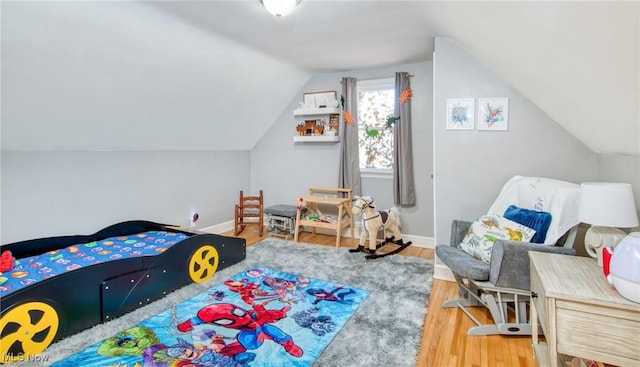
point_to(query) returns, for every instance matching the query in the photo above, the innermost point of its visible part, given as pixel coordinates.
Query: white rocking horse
(372, 222)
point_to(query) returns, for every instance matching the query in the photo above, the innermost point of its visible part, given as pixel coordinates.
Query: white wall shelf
(313, 125)
(317, 139)
(316, 111)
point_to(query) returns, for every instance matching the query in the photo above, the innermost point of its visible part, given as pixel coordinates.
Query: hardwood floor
(444, 339)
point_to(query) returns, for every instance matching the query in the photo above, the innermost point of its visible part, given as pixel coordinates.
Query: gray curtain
(403, 188)
(349, 175)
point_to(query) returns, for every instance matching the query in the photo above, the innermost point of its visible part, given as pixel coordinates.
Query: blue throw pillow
(534, 219)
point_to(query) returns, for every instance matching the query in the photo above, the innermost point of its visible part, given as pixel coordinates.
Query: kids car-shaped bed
(59, 286)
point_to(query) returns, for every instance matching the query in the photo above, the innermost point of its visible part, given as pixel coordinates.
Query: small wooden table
(581, 314)
(315, 200)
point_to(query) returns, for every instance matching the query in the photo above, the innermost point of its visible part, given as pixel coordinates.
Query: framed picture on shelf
(334, 125)
(493, 114)
(320, 99)
(460, 114)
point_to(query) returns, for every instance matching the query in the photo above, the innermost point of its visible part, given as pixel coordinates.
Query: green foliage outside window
(374, 106)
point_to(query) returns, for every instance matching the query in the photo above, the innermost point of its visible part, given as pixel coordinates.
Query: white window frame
(376, 173)
(373, 85)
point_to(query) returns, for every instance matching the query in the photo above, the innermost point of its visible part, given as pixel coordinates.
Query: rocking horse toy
(372, 222)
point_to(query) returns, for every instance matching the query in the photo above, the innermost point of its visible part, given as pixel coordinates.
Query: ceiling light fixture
(279, 8)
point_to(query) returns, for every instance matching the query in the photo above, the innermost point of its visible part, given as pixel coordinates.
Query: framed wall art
(320, 99)
(493, 114)
(460, 114)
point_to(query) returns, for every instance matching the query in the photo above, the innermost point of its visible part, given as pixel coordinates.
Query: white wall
(471, 166)
(285, 170)
(63, 193)
(621, 168)
(127, 76)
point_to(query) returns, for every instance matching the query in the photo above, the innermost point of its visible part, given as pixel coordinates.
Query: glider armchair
(498, 278)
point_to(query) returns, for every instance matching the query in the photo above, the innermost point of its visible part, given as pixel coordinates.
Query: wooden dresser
(581, 314)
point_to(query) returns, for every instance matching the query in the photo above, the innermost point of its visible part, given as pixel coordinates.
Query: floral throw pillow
(483, 233)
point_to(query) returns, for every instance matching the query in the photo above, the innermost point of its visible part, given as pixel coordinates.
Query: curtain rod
(374, 78)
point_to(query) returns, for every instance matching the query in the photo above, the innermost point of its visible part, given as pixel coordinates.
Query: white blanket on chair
(560, 198)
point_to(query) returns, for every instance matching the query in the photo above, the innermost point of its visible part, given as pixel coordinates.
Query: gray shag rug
(385, 331)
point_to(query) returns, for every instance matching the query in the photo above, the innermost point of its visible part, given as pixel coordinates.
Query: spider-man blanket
(259, 317)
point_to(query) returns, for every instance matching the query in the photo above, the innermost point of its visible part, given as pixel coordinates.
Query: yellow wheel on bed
(203, 263)
(27, 330)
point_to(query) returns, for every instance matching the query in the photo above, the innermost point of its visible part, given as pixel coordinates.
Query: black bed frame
(98, 293)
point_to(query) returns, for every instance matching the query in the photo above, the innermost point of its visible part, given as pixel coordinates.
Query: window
(376, 102)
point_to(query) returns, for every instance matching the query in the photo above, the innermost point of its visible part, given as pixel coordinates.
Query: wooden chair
(250, 211)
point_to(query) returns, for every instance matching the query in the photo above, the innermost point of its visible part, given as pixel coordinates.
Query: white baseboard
(418, 241)
(218, 228)
(442, 272)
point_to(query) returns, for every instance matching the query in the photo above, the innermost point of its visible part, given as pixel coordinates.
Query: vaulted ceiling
(114, 75)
